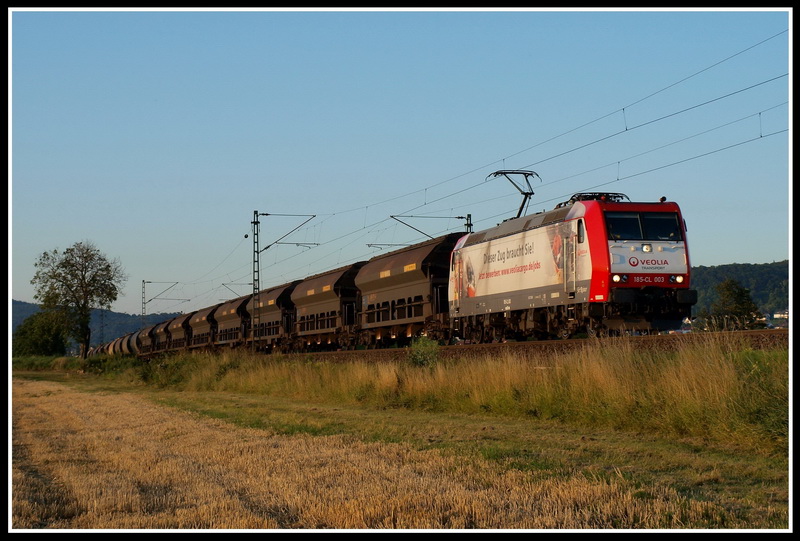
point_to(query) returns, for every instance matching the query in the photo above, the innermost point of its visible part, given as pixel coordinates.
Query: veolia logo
(635, 262)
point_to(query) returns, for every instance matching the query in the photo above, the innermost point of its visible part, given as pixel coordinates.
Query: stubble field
(117, 460)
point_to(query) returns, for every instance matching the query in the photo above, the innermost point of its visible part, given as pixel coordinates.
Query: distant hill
(768, 284)
(20, 311)
(105, 324)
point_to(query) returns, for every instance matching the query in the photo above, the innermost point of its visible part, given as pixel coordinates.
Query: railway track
(755, 339)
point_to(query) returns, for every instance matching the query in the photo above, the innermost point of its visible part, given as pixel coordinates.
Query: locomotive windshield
(643, 226)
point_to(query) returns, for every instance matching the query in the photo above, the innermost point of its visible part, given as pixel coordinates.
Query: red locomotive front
(641, 269)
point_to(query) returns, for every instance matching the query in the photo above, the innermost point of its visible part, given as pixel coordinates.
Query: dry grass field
(120, 460)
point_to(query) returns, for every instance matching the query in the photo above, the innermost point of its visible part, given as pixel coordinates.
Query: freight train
(597, 265)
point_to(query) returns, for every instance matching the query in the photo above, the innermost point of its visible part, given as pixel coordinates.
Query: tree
(43, 333)
(734, 306)
(74, 282)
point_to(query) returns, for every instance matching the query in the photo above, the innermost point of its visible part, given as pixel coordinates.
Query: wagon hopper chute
(404, 293)
(327, 307)
(204, 327)
(273, 319)
(161, 341)
(180, 332)
(145, 339)
(233, 321)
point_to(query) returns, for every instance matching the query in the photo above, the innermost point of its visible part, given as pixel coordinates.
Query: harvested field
(118, 461)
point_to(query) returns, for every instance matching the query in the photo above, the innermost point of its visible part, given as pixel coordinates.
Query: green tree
(43, 333)
(734, 308)
(75, 281)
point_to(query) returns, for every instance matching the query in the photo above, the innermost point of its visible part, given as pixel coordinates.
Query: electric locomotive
(597, 263)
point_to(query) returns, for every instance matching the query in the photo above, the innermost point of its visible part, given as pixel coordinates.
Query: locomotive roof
(608, 197)
(558, 214)
(516, 225)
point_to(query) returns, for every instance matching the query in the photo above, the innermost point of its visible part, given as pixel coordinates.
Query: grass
(714, 389)
(604, 437)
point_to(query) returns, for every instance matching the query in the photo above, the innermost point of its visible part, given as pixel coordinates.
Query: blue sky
(156, 135)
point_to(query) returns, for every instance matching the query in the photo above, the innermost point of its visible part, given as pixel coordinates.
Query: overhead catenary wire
(617, 179)
(429, 201)
(494, 217)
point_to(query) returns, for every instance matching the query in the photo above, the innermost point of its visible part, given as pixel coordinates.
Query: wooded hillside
(106, 325)
(768, 284)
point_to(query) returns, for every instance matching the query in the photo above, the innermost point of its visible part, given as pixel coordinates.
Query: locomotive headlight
(616, 278)
(647, 248)
(679, 279)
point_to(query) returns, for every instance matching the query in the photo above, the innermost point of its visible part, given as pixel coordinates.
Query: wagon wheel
(597, 331)
(476, 335)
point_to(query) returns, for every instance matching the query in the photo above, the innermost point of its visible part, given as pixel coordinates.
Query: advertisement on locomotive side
(524, 261)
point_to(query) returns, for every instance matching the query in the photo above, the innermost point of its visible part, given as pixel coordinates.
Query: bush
(423, 352)
(38, 362)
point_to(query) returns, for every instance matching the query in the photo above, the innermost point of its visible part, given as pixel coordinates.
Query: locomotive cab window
(661, 226)
(624, 226)
(643, 226)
